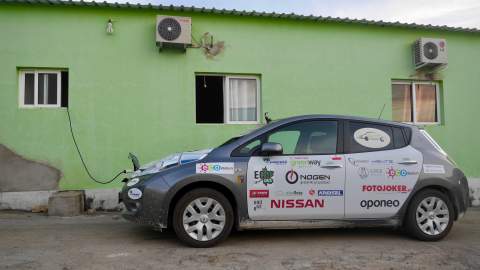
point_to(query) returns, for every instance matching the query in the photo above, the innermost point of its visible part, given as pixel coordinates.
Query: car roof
(342, 117)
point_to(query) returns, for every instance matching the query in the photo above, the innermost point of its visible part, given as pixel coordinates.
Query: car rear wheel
(203, 218)
(430, 215)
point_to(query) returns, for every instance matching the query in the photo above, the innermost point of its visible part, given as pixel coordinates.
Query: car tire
(203, 218)
(430, 215)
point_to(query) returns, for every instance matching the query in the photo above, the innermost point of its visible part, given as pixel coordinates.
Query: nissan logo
(291, 177)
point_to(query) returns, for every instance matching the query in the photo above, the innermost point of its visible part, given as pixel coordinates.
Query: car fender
(179, 183)
(430, 182)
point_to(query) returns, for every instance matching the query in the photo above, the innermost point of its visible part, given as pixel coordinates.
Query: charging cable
(81, 157)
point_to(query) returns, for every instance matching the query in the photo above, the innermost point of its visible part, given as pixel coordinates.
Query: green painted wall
(126, 96)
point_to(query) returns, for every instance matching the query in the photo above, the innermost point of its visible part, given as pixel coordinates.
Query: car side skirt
(317, 224)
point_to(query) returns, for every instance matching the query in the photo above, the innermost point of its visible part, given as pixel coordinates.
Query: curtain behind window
(243, 99)
(402, 102)
(426, 103)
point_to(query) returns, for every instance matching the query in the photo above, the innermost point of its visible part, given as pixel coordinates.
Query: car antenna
(267, 119)
(380, 115)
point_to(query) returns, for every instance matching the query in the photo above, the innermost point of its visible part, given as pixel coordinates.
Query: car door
(381, 169)
(305, 182)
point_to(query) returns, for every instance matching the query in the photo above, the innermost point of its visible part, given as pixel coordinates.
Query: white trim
(226, 93)
(21, 85)
(413, 93)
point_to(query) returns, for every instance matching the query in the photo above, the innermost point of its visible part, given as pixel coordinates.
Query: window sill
(40, 107)
(423, 123)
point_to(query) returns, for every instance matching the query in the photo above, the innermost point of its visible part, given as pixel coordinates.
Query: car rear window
(367, 137)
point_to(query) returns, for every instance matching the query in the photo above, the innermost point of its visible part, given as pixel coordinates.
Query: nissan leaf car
(313, 171)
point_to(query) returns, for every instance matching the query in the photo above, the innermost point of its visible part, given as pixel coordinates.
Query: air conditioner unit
(172, 31)
(429, 53)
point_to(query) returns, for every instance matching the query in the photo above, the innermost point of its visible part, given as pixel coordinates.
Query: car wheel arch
(436, 186)
(191, 185)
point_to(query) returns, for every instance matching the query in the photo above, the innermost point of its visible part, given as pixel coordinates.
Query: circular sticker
(291, 177)
(132, 182)
(134, 193)
(371, 137)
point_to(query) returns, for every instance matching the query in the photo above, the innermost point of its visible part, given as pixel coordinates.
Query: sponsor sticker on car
(215, 168)
(331, 192)
(433, 168)
(256, 193)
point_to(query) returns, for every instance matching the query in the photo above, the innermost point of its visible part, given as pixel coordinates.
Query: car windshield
(233, 139)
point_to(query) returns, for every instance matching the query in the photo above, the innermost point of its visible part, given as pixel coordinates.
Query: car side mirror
(271, 149)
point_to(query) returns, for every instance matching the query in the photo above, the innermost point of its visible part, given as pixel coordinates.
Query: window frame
(413, 94)
(35, 104)
(226, 97)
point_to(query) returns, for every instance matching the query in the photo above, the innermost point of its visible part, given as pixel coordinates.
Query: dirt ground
(105, 241)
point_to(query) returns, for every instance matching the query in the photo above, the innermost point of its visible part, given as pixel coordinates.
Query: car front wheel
(430, 215)
(203, 217)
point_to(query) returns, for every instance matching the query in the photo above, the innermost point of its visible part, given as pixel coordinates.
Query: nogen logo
(379, 203)
(292, 177)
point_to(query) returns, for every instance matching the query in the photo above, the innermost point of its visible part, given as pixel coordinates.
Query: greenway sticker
(371, 137)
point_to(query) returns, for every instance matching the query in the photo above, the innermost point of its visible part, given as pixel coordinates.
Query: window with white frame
(43, 88)
(416, 102)
(227, 99)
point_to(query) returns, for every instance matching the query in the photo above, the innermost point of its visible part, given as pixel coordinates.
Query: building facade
(124, 95)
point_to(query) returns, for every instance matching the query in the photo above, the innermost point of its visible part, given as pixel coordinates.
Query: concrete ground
(105, 241)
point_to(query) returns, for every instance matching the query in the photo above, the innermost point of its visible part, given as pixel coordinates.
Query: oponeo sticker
(433, 168)
(215, 168)
(371, 137)
(132, 182)
(134, 193)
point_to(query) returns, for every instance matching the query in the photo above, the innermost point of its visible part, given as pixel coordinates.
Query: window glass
(287, 138)
(307, 138)
(366, 137)
(402, 102)
(415, 102)
(47, 88)
(426, 103)
(249, 148)
(242, 99)
(399, 138)
(29, 92)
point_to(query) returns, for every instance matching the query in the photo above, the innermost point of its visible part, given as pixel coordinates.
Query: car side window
(249, 148)
(287, 138)
(307, 138)
(367, 137)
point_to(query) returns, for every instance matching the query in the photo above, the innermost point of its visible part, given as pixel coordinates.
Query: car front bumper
(147, 210)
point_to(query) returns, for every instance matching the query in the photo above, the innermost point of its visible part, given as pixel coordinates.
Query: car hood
(170, 161)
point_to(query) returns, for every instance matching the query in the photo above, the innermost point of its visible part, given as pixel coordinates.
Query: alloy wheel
(432, 215)
(204, 219)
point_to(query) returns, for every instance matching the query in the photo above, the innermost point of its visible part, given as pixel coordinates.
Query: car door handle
(332, 166)
(408, 162)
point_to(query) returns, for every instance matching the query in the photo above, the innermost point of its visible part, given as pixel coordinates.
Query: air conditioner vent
(173, 31)
(169, 29)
